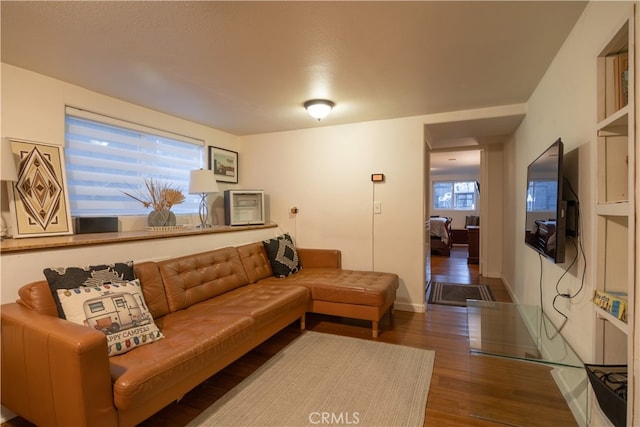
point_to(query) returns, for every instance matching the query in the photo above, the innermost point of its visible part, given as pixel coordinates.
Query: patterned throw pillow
(118, 310)
(282, 255)
(93, 275)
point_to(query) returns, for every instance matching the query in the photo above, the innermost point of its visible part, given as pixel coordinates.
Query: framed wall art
(39, 201)
(224, 164)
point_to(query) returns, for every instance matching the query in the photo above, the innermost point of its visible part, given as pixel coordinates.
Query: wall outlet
(377, 207)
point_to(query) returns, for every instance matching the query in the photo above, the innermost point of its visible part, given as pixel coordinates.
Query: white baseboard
(492, 275)
(403, 306)
(509, 289)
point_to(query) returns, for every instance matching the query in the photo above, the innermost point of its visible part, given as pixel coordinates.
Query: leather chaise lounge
(211, 307)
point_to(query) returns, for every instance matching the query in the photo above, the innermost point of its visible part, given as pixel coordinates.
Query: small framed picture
(224, 164)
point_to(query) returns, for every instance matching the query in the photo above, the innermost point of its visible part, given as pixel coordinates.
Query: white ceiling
(247, 67)
(462, 162)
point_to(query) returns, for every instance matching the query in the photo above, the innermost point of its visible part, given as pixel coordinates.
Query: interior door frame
(483, 208)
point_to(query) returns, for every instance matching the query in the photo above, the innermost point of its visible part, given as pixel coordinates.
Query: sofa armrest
(54, 372)
(320, 258)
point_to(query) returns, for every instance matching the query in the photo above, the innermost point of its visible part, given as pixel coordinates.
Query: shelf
(622, 326)
(617, 124)
(76, 240)
(615, 158)
(613, 208)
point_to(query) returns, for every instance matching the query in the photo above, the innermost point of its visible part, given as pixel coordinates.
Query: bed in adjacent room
(440, 231)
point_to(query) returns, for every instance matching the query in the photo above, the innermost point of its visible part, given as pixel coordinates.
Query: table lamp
(8, 172)
(203, 182)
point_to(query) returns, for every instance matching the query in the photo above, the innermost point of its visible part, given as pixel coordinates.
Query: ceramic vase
(161, 219)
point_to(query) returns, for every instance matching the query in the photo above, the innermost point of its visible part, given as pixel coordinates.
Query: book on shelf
(613, 302)
(617, 82)
(622, 79)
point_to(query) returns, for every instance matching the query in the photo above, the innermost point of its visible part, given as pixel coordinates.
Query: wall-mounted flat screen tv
(546, 210)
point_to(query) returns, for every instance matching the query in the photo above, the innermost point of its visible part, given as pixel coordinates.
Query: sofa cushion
(282, 255)
(264, 303)
(93, 275)
(195, 278)
(152, 287)
(196, 345)
(344, 286)
(118, 310)
(255, 261)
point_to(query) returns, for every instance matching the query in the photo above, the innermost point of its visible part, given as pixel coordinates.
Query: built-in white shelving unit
(615, 242)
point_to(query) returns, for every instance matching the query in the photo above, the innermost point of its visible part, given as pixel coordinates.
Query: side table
(474, 244)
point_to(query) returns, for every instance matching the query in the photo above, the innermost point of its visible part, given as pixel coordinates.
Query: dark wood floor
(463, 387)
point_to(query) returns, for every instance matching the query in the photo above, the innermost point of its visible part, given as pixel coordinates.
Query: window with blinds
(458, 195)
(105, 158)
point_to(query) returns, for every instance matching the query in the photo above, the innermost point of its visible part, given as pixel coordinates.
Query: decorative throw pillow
(93, 275)
(118, 310)
(282, 255)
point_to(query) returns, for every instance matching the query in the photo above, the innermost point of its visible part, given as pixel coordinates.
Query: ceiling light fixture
(319, 108)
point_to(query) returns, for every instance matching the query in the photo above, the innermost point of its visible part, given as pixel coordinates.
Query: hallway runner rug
(456, 294)
(322, 379)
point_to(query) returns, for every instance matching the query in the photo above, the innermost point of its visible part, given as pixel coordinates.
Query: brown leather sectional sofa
(211, 307)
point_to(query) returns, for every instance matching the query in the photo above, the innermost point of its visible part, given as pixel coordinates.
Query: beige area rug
(324, 379)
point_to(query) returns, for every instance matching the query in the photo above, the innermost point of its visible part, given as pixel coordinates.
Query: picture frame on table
(39, 199)
(224, 164)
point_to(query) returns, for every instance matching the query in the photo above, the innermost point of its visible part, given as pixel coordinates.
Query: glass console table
(503, 337)
(517, 331)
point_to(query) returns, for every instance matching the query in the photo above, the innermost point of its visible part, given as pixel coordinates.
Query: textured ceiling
(247, 67)
(455, 163)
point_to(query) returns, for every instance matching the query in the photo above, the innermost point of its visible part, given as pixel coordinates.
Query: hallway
(454, 269)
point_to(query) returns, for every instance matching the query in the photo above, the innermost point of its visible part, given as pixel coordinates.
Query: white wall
(563, 105)
(326, 174)
(491, 211)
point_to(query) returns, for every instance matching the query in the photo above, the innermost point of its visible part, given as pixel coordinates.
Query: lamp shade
(8, 171)
(202, 181)
(319, 108)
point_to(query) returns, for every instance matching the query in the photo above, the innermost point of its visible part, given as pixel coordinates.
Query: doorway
(454, 189)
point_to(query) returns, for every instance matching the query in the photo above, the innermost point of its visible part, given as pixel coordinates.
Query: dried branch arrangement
(159, 195)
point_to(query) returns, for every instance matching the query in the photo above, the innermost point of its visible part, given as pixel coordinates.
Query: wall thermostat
(377, 177)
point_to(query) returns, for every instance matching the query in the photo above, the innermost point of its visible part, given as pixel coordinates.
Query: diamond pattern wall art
(40, 204)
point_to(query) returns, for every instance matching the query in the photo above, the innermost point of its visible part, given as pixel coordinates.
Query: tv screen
(545, 218)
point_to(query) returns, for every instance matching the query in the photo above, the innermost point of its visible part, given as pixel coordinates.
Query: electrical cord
(542, 316)
(373, 228)
(579, 250)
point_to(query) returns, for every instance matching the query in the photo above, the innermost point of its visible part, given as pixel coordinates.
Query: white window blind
(104, 160)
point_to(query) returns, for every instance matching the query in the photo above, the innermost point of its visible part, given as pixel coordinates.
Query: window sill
(77, 240)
